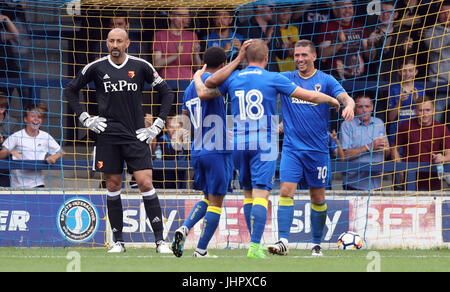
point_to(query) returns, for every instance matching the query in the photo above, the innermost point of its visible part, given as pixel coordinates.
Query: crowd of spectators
(403, 48)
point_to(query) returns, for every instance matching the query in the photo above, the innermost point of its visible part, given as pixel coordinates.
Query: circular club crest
(77, 220)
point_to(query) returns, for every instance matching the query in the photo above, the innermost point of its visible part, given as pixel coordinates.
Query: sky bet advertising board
(56, 219)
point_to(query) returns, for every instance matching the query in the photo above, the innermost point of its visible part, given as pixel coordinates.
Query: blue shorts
(213, 173)
(309, 167)
(254, 172)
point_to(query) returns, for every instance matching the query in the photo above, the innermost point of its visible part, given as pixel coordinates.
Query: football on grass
(349, 240)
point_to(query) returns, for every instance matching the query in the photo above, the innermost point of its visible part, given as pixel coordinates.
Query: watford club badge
(131, 74)
(99, 164)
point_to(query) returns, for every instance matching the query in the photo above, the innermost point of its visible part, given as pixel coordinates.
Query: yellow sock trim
(248, 201)
(261, 201)
(213, 209)
(319, 208)
(206, 201)
(286, 201)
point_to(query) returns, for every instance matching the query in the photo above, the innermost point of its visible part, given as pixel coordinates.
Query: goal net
(388, 176)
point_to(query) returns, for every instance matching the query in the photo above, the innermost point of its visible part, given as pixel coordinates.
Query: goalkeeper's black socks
(154, 213)
(115, 215)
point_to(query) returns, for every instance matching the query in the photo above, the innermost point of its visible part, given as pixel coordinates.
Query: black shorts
(111, 158)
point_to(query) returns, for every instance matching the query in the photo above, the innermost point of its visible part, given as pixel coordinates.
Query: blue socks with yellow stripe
(248, 203)
(196, 214)
(318, 219)
(285, 217)
(258, 219)
(210, 224)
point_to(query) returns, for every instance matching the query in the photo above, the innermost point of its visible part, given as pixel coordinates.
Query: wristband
(159, 123)
(83, 117)
(367, 147)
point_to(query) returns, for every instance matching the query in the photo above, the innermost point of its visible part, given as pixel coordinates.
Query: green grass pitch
(229, 260)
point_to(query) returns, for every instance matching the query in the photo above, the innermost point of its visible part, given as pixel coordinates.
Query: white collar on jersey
(115, 65)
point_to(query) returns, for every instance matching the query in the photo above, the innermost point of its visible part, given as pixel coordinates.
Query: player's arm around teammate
(208, 89)
(207, 92)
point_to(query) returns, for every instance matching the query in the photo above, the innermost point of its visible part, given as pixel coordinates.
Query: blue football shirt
(208, 118)
(407, 107)
(253, 94)
(305, 124)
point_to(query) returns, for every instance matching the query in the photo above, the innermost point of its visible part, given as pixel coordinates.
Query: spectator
(31, 143)
(174, 144)
(176, 54)
(8, 125)
(19, 47)
(402, 97)
(222, 34)
(382, 45)
(262, 26)
(437, 42)
(298, 18)
(176, 50)
(364, 142)
(343, 42)
(289, 36)
(423, 139)
(8, 31)
(135, 49)
(308, 17)
(411, 16)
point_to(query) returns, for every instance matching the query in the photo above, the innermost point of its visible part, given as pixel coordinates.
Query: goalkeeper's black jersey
(119, 95)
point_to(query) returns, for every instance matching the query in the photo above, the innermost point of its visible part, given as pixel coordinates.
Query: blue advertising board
(337, 221)
(77, 219)
(446, 221)
(39, 219)
(60, 219)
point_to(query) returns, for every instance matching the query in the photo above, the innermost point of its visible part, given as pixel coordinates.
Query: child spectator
(402, 97)
(173, 144)
(31, 143)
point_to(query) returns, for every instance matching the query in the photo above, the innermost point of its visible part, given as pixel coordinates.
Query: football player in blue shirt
(305, 153)
(211, 161)
(253, 92)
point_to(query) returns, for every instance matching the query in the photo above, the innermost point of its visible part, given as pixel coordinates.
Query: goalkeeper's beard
(115, 53)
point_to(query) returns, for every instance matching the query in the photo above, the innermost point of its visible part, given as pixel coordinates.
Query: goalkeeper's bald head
(118, 32)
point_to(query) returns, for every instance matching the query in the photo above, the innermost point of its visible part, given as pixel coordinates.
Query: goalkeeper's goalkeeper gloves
(148, 134)
(95, 123)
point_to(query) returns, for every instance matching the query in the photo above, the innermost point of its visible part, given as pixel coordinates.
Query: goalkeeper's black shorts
(110, 158)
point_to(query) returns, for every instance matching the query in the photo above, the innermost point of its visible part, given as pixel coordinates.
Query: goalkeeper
(305, 153)
(119, 81)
